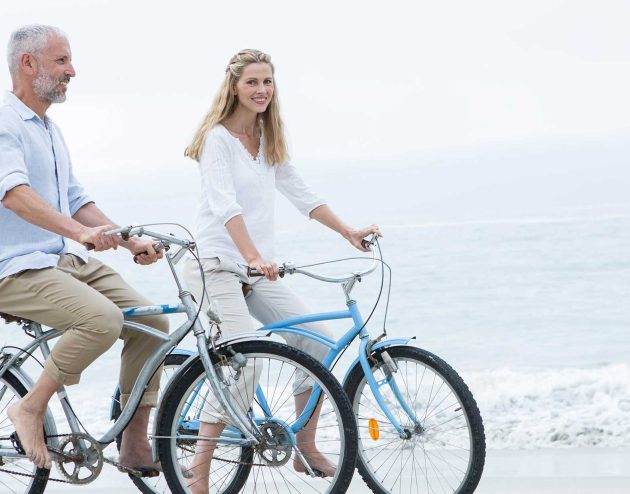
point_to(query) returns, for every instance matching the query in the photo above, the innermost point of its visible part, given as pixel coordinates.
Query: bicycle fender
(377, 346)
(250, 335)
(28, 383)
(177, 351)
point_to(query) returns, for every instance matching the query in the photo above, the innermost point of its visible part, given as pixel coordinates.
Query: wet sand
(546, 471)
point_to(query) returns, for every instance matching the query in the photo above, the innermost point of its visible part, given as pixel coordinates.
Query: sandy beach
(545, 471)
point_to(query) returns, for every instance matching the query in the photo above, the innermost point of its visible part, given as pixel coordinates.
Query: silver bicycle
(262, 433)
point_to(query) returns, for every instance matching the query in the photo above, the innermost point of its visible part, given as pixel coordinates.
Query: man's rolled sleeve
(77, 197)
(13, 170)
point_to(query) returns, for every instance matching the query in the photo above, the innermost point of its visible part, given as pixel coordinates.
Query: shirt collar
(16, 103)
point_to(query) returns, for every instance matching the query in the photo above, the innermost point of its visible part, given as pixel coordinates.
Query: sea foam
(567, 407)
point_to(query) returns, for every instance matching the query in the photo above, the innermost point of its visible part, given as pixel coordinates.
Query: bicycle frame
(337, 346)
(188, 306)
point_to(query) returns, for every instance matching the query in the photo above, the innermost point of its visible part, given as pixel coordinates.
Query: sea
(528, 302)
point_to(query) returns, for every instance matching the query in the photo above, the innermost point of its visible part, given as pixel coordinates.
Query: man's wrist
(76, 231)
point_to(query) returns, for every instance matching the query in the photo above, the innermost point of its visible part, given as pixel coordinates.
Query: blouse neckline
(255, 159)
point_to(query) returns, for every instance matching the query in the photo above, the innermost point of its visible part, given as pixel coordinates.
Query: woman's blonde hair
(225, 103)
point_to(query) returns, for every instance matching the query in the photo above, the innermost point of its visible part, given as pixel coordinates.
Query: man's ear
(28, 64)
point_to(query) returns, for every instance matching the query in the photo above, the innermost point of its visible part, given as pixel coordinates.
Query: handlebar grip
(367, 244)
(252, 272)
(158, 246)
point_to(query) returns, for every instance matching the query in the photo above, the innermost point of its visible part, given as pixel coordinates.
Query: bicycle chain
(123, 468)
(52, 450)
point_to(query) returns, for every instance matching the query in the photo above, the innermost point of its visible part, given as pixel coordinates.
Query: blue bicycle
(420, 429)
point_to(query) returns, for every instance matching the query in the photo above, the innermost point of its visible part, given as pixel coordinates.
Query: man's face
(54, 70)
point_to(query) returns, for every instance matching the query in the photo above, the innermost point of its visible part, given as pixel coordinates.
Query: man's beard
(48, 89)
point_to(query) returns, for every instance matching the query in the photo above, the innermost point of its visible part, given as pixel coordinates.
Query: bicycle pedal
(17, 444)
(139, 472)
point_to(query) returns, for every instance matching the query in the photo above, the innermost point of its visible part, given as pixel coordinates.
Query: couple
(47, 218)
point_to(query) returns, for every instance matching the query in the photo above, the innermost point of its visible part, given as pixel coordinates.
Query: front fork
(221, 391)
(389, 369)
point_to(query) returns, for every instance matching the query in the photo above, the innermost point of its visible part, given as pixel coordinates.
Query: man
(46, 220)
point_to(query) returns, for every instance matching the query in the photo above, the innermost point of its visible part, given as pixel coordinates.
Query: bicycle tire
(429, 461)
(337, 411)
(11, 389)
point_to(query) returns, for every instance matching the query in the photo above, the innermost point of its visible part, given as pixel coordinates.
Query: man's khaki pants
(84, 300)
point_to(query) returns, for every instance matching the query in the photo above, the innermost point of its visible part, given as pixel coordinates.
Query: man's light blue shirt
(33, 153)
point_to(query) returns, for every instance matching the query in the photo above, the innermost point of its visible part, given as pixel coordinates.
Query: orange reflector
(373, 429)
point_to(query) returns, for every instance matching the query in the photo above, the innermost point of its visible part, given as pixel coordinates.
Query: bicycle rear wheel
(26, 478)
(444, 452)
(270, 466)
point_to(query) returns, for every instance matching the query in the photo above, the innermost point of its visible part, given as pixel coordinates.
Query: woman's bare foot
(29, 424)
(198, 480)
(318, 463)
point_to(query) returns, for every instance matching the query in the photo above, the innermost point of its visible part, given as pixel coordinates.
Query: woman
(242, 154)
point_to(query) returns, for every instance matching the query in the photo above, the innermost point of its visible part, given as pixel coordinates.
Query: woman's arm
(327, 217)
(240, 236)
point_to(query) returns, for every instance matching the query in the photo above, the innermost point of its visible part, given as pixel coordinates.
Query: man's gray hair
(29, 39)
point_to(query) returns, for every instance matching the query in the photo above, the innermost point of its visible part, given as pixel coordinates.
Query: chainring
(275, 448)
(78, 454)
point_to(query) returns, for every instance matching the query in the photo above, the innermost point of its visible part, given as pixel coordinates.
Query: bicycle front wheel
(17, 474)
(282, 375)
(443, 447)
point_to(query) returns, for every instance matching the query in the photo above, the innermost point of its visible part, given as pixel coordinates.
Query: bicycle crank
(79, 458)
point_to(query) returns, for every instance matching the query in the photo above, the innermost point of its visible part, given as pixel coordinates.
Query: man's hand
(94, 236)
(144, 251)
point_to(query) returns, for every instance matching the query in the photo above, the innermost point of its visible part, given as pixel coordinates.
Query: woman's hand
(355, 237)
(268, 268)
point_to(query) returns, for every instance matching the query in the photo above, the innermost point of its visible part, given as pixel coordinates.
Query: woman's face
(255, 87)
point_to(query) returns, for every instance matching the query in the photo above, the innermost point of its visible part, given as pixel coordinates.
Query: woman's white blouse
(232, 183)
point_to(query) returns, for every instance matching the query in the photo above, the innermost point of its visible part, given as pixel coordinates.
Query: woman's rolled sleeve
(298, 192)
(217, 180)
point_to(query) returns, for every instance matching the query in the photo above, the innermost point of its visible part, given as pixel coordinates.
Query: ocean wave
(568, 407)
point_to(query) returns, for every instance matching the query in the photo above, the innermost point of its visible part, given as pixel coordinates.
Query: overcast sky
(360, 82)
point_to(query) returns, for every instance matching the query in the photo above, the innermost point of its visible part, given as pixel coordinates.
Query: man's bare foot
(29, 425)
(318, 462)
(138, 453)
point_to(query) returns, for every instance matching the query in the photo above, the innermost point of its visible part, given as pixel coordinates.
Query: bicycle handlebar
(289, 267)
(126, 232)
